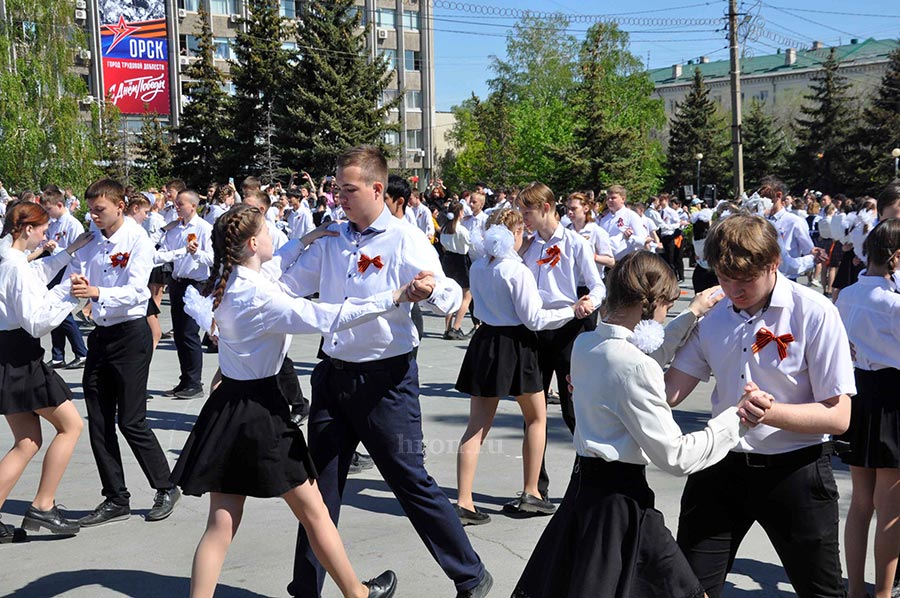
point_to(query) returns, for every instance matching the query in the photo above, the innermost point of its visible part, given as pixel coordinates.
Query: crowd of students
(566, 288)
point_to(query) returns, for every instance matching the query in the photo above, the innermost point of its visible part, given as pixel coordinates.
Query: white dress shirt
(622, 414)
(169, 213)
(558, 283)
(123, 288)
(506, 294)
(173, 248)
(25, 301)
(616, 223)
(476, 224)
(301, 221)
(213, 211)
(64, 230)
(817, 366)
(420, 217)
(825, 228)
(671, 221)
(870, 309)
(154, 226)
(458, 242)
(794, 232)
(256, 318)
(330, 266)
(598, 239)
(279, 239)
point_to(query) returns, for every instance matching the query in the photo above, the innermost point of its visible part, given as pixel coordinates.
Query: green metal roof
(864, 51)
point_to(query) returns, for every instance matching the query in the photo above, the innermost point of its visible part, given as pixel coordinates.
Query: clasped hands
(754, 405)
(418, 289)
(81, 287)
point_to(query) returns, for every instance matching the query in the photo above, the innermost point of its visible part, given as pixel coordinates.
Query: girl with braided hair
(244, 443)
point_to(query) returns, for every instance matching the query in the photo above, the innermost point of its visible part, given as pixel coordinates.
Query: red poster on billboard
(135, 48)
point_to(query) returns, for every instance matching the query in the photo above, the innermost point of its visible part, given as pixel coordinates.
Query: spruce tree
(335, 98)
(203, 135)
(763, 144)
(260, 74)
(698, 127)
(823, 131)
(154, 152)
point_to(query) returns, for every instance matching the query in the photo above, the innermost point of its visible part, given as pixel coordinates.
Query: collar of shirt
(556, 237)
(777, 215)
(781, 297)
(384, 221)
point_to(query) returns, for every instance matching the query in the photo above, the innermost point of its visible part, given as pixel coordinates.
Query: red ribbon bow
(119, 260)
(620, 222)
(552, 258)
(764, 336)
(366, 261)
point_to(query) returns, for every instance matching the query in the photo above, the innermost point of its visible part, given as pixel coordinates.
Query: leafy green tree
(154, 152)
(823, 131)
(335, 97)
(203, 134)
(764, 146)
(112, 143)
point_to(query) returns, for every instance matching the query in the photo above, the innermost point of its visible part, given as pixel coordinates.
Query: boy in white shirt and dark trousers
(112, 272)
(187, 243)
(366, 389)
(774, 336)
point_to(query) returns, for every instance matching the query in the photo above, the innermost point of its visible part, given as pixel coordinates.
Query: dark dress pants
(186, 334)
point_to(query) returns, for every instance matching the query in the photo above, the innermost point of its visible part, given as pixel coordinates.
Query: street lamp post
(896, 154)
(699, 158)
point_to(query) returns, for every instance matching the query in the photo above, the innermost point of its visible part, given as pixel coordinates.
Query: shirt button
(745, 349)
(350, 276)
(742, 376)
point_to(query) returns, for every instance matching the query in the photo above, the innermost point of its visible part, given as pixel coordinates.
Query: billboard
(135, 47)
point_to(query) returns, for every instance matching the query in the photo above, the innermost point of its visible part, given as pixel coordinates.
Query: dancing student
(138, 209)
(244, 443)
(502, 360)
(787, 340)
(456, 241)
(261, 200)
(580, 211)
(112, 272)
(870, 309)
(559, 259)
(607, 539)
(626, 231)
(369, 391)
(31, 390)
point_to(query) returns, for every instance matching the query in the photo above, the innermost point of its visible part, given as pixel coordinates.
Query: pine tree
(154, 152)
(203, 134)
(698, 127)
(336, 92)
(823, 131)
(260, 75)
(763, 144)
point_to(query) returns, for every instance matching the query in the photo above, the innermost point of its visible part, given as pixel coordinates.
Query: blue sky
(465, 39)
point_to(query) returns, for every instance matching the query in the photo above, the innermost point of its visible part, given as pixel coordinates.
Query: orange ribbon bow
(552, 258)
(764, 336)
(191, 237)
(119, 260)
(366, 261)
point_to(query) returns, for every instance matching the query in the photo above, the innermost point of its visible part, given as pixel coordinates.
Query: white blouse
(25, 301)
(870, 309)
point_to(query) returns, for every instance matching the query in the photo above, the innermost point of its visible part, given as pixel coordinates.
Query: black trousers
(673, 254)
(186, 334)
(67, 330)
(555, 357)
(115, 388)
(795, 502)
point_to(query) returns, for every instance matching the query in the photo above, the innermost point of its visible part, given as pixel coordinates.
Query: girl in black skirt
(455, 262)
(244, 443)
(28, 388)
(607, 539)
(870, 309)
(502, 360)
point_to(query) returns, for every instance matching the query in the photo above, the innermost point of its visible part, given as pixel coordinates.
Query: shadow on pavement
(767, 575)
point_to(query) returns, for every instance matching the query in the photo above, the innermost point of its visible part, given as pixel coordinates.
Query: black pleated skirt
(244, 442)
(501, 361)
(874, 432)
(26, 383)
(160, 274)
(456, 267)
(606, 539)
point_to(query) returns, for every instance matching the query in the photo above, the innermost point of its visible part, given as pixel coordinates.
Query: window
(189, 5)
(189, 45)
(414, 139)
(386, 18)
(762, 96)
(411, 20)
(352, 12)
(222, 48)
(224, 7)
(414, 100)
(388, 96)
(392, 138)
(290, 46)
(413, 60)
(391, 56)
(288, 9)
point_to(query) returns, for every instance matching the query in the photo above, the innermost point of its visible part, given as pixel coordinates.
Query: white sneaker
(815, 283)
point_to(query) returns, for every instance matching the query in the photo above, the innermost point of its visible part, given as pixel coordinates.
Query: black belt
(795, 458)
(369, 366)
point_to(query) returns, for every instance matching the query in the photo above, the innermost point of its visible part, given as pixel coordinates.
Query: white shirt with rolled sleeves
(817, 366)
(123, 286)
(64, 230)
(616, 224)
(558, 283)
(622, 413)
(173, 248)
(870, 309)
(301, 222)
(25, 301)
(256, 319)
(506, 294)
(794, 231)
(330, 266)
(598, 238)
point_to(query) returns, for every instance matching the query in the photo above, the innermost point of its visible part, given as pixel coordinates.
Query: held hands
(82, 289)
(421, 286)
(755, 405)
(706, 300)
(820, 254)
(627, 232)
(583, 307)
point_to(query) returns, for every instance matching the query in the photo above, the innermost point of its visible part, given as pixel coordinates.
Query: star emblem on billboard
(121, 31)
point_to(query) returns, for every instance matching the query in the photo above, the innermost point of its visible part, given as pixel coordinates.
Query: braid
(231, 232)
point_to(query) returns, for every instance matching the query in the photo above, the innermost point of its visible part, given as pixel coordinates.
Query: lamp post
(896, 155)
(699, 158)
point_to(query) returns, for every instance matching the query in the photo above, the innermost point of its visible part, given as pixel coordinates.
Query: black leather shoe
(106, 512)
(10, 534)
(467, 517)
(382, 586)
(481, 590)
(360, 463)
(172, 392)
(52, 520)
(194, 392)
(163, 504)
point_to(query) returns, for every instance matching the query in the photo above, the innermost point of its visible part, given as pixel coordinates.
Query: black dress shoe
(106, 512)
(527, 503)
(481, 590)
(171, 393)
(10, 534)
(467, 517)
(193, 392)
(163, 504)
(360, 463)
(52, 520)
(382, 586)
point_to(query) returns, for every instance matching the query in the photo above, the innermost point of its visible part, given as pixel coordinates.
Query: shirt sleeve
(46, 268)
(204, 253)
(648, 418)
(37, 310)
(828, 353)
(421, 257)
(677, 333)
(587, 267)
(529, 306)
(301, 316)
(601, 242)
(639, 237)
(803, 239)
(135, 290)
(302, 275)
(690, 358)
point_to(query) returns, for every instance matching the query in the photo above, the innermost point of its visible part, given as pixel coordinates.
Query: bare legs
(155, 329)
(874, 491)
(463, 309)
(481, 416)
